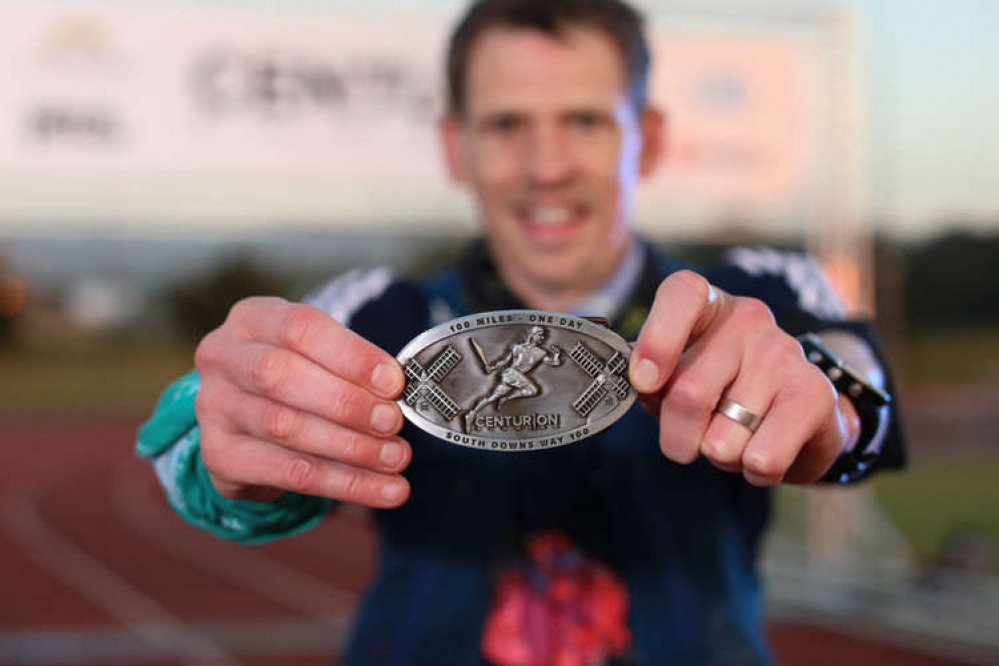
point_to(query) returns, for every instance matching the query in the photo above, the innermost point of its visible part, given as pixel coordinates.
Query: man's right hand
(291, 399)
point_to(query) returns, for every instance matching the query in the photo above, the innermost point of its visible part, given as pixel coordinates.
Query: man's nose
(549, 158)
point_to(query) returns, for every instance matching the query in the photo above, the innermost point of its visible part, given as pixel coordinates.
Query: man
(549, 127)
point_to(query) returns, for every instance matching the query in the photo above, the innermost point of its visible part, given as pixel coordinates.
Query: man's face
(552, 147)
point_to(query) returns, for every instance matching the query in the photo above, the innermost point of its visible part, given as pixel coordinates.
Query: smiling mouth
(551, 222)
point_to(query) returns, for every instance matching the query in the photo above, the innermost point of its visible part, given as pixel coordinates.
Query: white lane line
(100, 585)
(248, 639)
(241, 565)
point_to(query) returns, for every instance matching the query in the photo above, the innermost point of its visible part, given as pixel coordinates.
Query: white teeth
(550, 216)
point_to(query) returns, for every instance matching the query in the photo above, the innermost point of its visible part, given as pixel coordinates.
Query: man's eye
(586, 120)
(503, 123)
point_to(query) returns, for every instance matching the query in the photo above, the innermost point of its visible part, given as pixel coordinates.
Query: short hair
(620, 22)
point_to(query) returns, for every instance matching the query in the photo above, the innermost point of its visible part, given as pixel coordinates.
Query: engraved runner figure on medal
(519, 360)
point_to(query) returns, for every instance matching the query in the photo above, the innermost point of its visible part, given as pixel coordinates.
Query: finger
(278, 423)
(684, 306)
(245, 460)
(801, 429)
(314, 334)
(297, 382)
(691, 396)
(651, 402)
(725, 439)
(762, 369)
(818, 454)
(851, 421)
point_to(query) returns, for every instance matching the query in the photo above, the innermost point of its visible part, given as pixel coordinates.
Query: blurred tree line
(200, 304)
(948, 281)
(952, 280)
(11, 304)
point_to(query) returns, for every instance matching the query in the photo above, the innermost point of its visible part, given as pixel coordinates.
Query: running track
(96, 569)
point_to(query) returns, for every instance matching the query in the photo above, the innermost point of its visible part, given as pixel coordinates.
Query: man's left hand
(700, 346)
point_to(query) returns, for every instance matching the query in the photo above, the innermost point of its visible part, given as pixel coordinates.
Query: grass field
(88, 379)
(939, 496)
(948, 356)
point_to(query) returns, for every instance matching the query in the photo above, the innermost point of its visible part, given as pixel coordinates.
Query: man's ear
(451, 133)
(654, 139)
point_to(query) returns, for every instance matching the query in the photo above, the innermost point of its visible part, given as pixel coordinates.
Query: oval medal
(516, 380)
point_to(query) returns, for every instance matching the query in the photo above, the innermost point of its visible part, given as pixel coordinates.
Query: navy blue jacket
(684, 538)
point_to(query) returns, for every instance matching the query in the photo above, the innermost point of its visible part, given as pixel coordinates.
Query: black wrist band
(867, 399)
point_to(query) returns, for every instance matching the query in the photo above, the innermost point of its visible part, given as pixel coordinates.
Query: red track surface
(91, 554)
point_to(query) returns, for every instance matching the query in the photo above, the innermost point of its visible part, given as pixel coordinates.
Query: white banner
(189, 114)
(156, 91)
(742, 112)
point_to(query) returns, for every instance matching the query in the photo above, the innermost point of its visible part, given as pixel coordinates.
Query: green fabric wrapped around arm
(172, 440)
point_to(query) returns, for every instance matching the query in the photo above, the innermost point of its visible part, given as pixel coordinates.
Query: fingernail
(383, 418)
(645, 376)
(391, 455)
(386, 378)
(393, 491)
(758, 479)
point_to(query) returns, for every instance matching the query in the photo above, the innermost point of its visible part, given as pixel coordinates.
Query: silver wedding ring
(739, 414)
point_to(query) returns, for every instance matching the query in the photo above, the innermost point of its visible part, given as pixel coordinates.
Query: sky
(933, 101)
